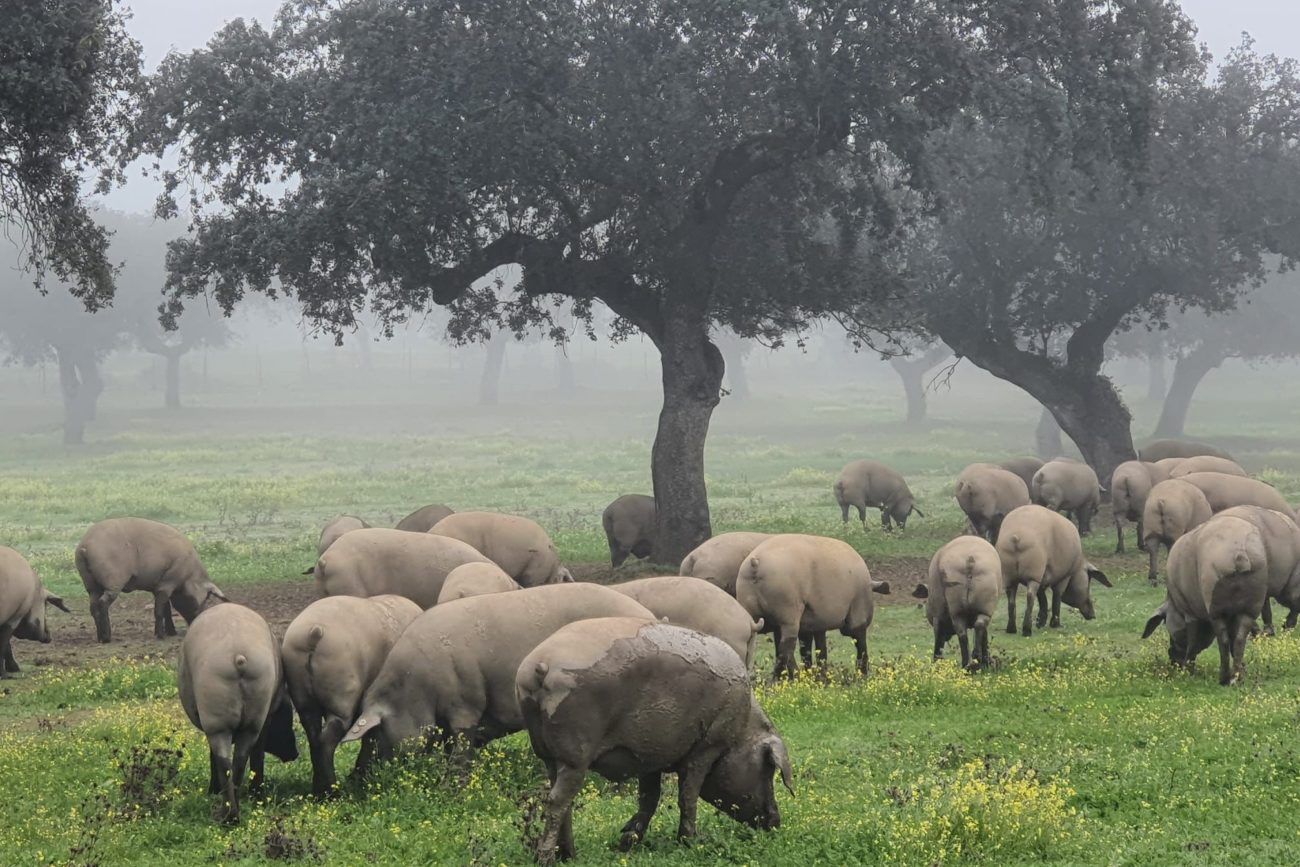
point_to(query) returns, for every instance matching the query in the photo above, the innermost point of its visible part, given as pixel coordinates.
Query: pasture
(1082, 747)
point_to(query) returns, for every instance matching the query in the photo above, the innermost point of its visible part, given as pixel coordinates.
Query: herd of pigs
(464, 627)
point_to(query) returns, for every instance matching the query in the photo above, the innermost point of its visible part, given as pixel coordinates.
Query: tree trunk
(489, 386)
(1157, 383)
(912, 372)
(1048, 436)
(1188, 373)
(1084, 402)
(172, 390)
(80, 384)
(693, 368)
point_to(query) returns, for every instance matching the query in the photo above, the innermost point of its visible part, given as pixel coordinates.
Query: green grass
(1081, 748)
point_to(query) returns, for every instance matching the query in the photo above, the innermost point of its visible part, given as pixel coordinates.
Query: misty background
(266, 369)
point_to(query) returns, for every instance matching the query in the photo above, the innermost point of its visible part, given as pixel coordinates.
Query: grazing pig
(1172, 509)
(629, 524)
(1130, 485)
(332, 652)
(871, 483)
(124, 554)
(231, 684)
(1161, 449)
(1218, 583)
(624, 697)
(697, 605)
(335, 528)
(1281, 539)
(798, 584)
(22, 607)
(454, 666)
(519, 546)
(1224, 491)
(719, 559)
(1206, 464)
(424, 519)
(961, 593)
(1023, 467)
(475, 579)
(378, 561)
(987, 493)
(1070, 487)
(1040, 549)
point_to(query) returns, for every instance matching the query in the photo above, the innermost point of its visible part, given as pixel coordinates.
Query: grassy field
(1081, 748)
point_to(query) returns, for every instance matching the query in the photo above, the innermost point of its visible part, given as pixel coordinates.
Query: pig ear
(757, 625)
(367, 721)
(1154, 621)
(921, 592)
(1099, 576)
(215, 593)
(57, 602)
(881, 587)
(775, 749)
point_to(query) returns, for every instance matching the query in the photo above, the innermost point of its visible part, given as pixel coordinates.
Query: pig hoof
(1056, 623)
(1027, 632)
(1011, 630)
(629, 839)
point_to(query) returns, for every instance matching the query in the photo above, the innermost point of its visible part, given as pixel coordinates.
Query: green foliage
(68, 71)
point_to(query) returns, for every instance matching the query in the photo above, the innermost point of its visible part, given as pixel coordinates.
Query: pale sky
(162, 25)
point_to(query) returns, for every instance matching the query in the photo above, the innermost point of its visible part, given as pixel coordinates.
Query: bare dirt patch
(281, 601)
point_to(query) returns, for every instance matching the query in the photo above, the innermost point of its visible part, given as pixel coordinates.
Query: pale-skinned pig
(1040, 549)
(379, 561)
(125, 554)
(519, 546)
(22, 607)
(231, 684)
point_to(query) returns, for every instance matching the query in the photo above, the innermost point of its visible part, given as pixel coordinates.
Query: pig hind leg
(649, 790)
(100, 600)
(566, 782)
(10, 663)
(982, 641)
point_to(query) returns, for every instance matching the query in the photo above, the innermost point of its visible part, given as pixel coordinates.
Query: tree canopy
(68, 71)
(1034, 260)
(685, 162)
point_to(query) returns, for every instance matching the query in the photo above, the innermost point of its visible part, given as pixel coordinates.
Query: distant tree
(911, 368)
(1032, 251)
(141, 244)
(68, 71)
(36, 328)
(735, 349)
(667, 160)
(1265, 326)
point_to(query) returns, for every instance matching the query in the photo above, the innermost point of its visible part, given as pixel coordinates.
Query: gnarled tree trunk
(489, 386)
(912, 372)
(1084, 402)
(693, 368)
(1190, 369)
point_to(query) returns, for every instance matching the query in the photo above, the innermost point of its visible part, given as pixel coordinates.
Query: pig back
(638, 695)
